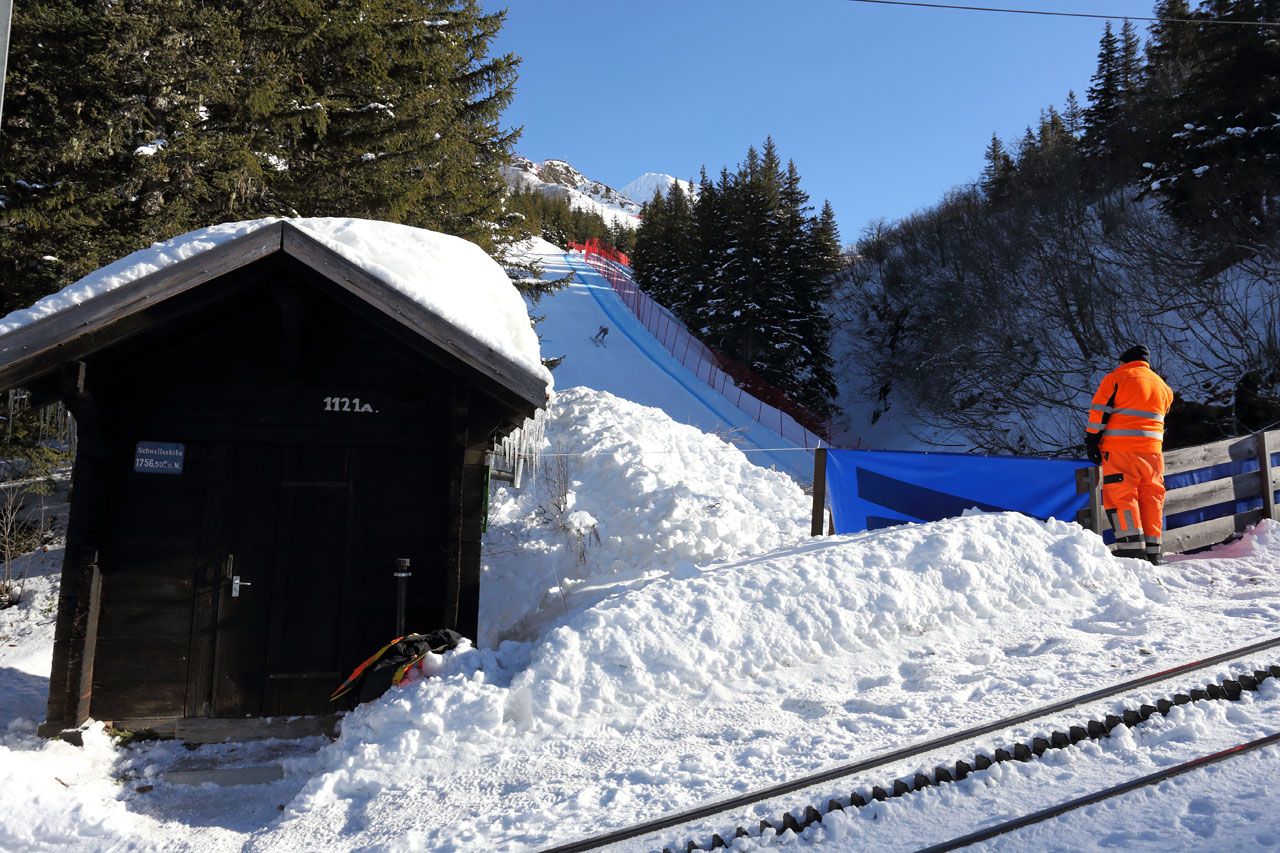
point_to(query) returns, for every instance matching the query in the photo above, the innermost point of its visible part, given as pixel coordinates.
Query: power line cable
(1091, 15)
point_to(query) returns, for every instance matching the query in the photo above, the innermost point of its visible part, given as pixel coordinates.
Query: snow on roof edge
(424, 265)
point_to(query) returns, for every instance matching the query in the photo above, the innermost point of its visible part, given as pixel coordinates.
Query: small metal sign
(158, 457)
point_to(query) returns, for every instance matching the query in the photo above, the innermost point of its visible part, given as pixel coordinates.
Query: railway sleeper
(1229, 689)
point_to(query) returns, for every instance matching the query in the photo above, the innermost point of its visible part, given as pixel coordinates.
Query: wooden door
(153, 541)
(281, 626)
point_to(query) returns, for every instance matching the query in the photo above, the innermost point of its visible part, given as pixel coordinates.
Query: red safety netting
(593, 246)
(738, 384)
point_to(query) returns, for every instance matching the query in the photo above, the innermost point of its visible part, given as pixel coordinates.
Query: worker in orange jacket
(1126, 437)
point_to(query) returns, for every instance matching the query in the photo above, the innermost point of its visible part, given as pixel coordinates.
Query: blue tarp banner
(871, 489)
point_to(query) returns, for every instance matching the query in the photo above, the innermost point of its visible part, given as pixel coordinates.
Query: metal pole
(402, 575)
(6, 16)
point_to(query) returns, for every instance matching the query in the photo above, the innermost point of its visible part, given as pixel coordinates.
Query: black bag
(387, 666)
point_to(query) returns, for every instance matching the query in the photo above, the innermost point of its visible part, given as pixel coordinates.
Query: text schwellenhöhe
(158, 457)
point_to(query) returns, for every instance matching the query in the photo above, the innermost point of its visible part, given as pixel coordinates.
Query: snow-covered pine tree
(1216, 173)
(387, 109)
(813, 384)
(104, 147)
(711, 244)
(743, 326)
(790, 296)
(648, 261)
(679, 249)
(183, 113)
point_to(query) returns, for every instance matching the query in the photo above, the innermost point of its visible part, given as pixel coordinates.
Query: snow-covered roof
(450, 277)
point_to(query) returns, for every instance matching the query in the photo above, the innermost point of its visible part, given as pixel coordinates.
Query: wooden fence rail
(1224, 489)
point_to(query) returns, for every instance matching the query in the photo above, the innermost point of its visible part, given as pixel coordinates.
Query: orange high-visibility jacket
(1129, 408)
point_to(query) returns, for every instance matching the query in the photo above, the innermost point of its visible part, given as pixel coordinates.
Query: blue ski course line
(796, 463)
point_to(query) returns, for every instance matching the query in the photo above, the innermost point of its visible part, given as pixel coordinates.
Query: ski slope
(635, 366)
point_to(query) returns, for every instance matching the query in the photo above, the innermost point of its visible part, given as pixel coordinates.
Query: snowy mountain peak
(559, 178)
(643, 187)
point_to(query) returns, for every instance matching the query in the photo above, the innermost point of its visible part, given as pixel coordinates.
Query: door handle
(236, 583)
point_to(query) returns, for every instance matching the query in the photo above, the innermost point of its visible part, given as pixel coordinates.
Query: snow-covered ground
(681, 640)
(634, 365)
(659, 632)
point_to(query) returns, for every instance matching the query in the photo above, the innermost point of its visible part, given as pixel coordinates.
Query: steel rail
(1098, 796)
(841, 771)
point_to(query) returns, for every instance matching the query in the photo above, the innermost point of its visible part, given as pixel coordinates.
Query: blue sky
(882, 108)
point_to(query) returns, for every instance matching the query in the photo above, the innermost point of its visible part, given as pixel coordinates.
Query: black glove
(1091, 448)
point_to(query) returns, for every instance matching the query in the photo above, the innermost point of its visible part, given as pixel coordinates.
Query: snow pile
(448, 275)
(703, 681)
(688, 634)
(623, 493)
(694, 644)
(58, 796)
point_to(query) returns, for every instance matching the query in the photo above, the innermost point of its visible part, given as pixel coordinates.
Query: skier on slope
(600, 335)
(1125, 436)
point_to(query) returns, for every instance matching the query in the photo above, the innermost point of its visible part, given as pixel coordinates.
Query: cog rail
(1228, 689)
(1099, 796)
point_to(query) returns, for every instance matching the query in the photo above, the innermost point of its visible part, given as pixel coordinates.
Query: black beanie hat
(1137, 352)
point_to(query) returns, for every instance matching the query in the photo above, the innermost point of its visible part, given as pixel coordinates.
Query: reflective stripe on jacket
(1129, 408)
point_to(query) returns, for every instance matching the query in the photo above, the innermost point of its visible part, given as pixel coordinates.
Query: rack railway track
(808, 813)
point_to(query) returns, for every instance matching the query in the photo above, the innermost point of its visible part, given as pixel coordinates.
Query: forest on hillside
(1148, 213)
(748, 266)
(556, 220)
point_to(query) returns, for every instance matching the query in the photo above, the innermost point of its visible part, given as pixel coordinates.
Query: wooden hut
(264, 429)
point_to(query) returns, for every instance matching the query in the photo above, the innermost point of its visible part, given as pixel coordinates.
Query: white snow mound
(623, 493)
(714, 638)
(450, 276)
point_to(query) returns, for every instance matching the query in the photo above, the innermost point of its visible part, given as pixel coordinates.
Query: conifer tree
(816, 384)
(104, 147)
(998, 172)
(1217, 173)
(711, 242)
(1170, 50)
(182, 113)
(1073, 115)
(789, 301)
(386, 109)
(679, 249)
(648, 261)
(1102, 116)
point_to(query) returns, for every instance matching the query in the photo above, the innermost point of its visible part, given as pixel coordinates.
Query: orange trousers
(1133, 496)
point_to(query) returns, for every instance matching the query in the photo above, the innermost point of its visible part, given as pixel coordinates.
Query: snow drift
(623, 493)
(690, 670)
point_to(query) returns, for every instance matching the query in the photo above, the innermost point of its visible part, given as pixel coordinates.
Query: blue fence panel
(871, 489)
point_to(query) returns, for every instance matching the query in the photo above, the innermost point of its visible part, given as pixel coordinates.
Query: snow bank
(624, 493)
(58, 796)
(448, 275)
(701, 680)
(690, 634)
(687, 641)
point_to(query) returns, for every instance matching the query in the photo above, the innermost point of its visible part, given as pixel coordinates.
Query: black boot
(1155, 557)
